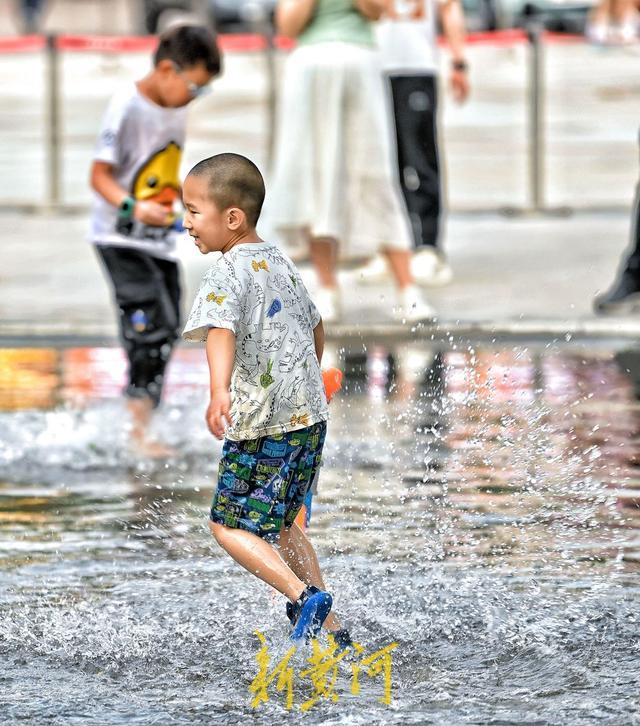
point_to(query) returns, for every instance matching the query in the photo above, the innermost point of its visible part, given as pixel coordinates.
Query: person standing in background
(333, 178)
(623, 297)
(135, 177)
(407, 38)
(613, 22)
(31, 12)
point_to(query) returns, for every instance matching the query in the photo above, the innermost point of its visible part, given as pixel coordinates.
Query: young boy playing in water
(135, 175)
(264, 342)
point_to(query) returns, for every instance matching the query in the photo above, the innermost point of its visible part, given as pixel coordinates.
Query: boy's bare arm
(318, 339)
(221, 351)
(103, 182)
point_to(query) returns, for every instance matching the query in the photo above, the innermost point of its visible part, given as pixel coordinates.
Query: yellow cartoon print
(217, 299)
(262, 265)
(158, 179)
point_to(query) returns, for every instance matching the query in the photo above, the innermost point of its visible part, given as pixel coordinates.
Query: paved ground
(537, 273)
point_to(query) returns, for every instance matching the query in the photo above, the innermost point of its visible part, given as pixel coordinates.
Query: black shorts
(147, 293)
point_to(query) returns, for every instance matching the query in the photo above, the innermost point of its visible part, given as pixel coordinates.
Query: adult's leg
(633, 258)
(324, 257)
(260, 558)
(400, 265)
(624, 294)
(415, 114)
(299, 554)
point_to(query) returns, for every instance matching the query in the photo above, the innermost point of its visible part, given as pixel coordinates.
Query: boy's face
(208, 226)
(179, 86)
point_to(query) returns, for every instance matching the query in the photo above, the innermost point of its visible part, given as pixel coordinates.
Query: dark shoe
(293, 608)
(312, 609)
(622, 298)
(343, 640)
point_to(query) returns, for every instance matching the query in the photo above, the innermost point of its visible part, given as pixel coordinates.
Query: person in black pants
(407, 37)
(624, 294)
(415, 111)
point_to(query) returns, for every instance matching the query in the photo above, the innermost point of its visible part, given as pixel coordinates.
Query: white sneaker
(374, 272)
(430, 268)
(597, 33)
(327, 300)
(413, 307)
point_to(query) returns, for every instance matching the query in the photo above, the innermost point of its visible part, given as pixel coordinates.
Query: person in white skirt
(333, 176)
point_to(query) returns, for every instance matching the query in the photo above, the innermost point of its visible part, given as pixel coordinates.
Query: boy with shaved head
(264, 341)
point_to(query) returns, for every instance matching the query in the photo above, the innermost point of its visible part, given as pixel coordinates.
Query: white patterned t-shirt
(255, 291)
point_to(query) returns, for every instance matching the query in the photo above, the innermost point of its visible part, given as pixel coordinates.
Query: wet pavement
(479, 506)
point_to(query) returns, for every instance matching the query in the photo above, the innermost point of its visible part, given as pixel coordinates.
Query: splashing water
(479, 507)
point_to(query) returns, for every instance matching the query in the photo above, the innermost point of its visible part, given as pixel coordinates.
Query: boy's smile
(212, 229)
(203, 220)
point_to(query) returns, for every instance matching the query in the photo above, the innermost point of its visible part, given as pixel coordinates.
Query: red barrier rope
(231, 43)
(22, 44)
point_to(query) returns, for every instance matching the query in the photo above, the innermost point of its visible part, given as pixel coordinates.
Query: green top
(337, 20)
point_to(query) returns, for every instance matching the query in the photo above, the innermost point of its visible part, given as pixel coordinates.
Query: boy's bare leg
(298, 553)
(260, 558)
(141, 411)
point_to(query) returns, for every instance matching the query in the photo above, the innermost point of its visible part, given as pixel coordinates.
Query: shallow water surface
(480, 508)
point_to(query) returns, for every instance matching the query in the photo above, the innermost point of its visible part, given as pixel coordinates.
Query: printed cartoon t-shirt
(255, 291)
(143, 142)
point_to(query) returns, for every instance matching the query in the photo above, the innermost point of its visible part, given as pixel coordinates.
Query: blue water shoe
(309, 612)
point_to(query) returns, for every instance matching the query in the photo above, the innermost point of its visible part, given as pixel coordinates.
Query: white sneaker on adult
(374, 272)
(328, 302)
(430, 268)
(413, 307)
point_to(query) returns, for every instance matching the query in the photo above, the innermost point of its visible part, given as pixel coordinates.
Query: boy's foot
(623, 297)
(309, 612)
(293, 608)
(151, 449)
(343, 640)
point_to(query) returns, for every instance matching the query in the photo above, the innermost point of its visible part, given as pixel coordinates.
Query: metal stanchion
(53, 117)
(270, 60)
(536, 111)
(536, 128)
(262, 26)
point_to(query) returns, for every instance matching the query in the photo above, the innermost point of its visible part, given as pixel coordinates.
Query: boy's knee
(218, 531)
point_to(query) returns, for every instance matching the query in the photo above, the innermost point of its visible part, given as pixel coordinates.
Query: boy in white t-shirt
(133, 224)
(264, 341)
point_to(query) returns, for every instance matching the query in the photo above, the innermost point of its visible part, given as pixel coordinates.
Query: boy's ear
(165, 66)
(235, 218)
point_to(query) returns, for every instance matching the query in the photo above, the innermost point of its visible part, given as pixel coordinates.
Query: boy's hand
(153, 214)
(218, 417)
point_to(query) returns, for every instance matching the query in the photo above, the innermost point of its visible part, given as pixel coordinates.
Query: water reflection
(481, 506)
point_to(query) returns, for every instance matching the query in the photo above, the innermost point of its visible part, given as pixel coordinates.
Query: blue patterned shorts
(262, 482)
